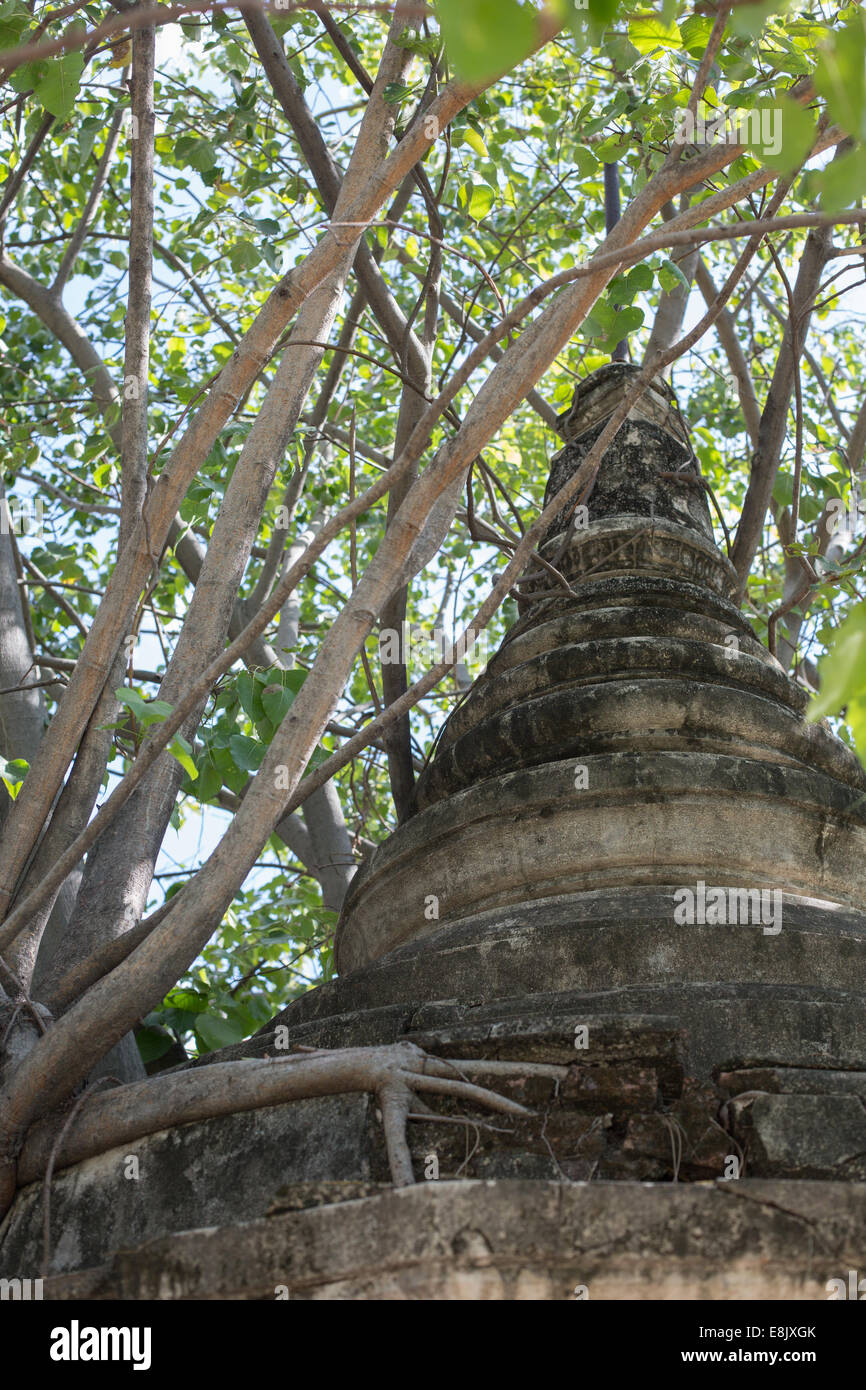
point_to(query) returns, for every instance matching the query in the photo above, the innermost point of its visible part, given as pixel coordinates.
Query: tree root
(394, 1073)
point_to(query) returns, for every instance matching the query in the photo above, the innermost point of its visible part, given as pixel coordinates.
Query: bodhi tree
(292, 296)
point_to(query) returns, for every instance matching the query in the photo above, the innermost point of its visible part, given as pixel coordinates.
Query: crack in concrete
(731, 1191)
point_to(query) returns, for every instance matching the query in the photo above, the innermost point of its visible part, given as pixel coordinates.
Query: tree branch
(76, 241)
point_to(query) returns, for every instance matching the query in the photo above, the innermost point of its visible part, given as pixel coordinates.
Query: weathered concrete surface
(741, 997)
(652, 443)
(622, 607)
(218, 1171)
(802, 1135)
(640, 545)
(514, 1240)
(550, 946)
(623, 1108)
(658, 818)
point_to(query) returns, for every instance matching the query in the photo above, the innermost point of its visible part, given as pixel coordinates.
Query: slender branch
(25, 166)
(57, 1145)
(76, 241)
(734, 353)
(195, 285)
(136, 362)
(62, 663)
(55, 594)
(775, 413)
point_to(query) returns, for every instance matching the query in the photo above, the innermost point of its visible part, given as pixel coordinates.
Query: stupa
(632, 862)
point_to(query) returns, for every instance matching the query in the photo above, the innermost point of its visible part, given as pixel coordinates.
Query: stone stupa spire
(623, 748)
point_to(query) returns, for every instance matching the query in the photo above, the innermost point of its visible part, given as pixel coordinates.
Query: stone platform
(510, 1240)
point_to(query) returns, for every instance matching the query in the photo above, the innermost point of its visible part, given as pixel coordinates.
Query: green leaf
(476, 200)
(783, 488)
(842, 182)
(133, 700)
(856, 720)
(180, 749)
(475, 142)
(625, 322)
(317, 757)
(695, 31)
(276, 700)
(648, 33)
(197, 153)
(145, 711)
(395, 92)
(234, 777)
(294, 678)
(612, 150)
(840, 76)
(269, 226)
(87, 133)
(26, 76)
(14, 20)
(153, 1043)
(250, 695)
(621, 52)
(192, 1000)
(751, 19)
(620, 291)
(425, 46)
(271, 256)
(640, 278)
(58, 88)
(843, 669)
(482, 200)
(217, 1032)
(586, 162)
(786, 136)
(12, 774)
(280, 23)
(246, 752)
(158, 709)
(603, 11)
(243, 255)
(670, 276)
(486, 37)
(178, 1020)
(209, 780)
